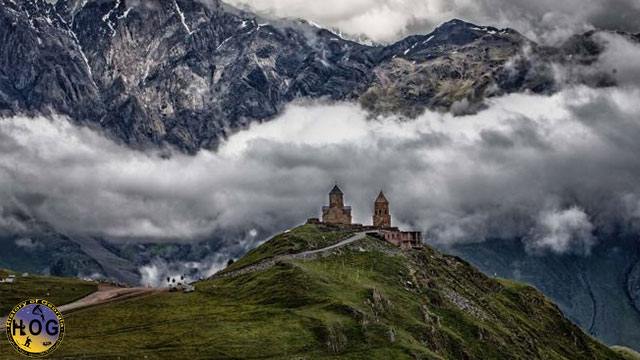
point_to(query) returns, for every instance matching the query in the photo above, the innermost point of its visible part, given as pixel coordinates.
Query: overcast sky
(389, 20)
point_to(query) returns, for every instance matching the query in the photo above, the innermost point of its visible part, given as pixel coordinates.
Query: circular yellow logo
(35, 328)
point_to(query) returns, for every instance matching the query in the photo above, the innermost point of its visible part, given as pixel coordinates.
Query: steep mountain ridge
(190, 73)
(599, 292)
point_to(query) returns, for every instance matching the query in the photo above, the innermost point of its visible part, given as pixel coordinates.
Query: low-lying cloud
(388, 20)
(466, 178)
(563, 231)
(160, 273)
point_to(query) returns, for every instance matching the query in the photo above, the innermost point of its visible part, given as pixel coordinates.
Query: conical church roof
(336, 190)
(381, 198)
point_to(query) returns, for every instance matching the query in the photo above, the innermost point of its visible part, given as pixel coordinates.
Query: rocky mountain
(366, 299)
(189, 73)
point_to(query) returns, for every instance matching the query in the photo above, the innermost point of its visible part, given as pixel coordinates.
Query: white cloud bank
(465, 178)
(563, 231)
(156, 273)
(554, 171)
(389, 20)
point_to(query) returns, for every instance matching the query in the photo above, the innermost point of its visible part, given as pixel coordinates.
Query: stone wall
(336, 215)
(403, 239)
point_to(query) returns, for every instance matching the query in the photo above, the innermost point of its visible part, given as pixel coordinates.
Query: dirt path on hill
(106, 294)
(307, 255)
(352, 239)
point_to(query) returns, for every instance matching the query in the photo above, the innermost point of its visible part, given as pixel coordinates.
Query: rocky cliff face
(188, 73)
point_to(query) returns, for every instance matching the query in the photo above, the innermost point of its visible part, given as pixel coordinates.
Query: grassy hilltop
(367, 300)
(626, 353)
(58, 291)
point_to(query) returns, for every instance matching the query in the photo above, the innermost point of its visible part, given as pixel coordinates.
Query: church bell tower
(381, 216)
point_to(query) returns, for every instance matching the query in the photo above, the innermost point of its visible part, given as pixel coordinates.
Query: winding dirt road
(104, 295)
(108, 294)
(352, 239)
(308, 255)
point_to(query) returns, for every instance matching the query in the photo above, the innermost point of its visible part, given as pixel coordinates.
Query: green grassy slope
(365, 301)
(306, 237)
(58, 291)
(626, 353)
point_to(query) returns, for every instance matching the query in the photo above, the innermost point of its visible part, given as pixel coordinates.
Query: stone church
(337, 214)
